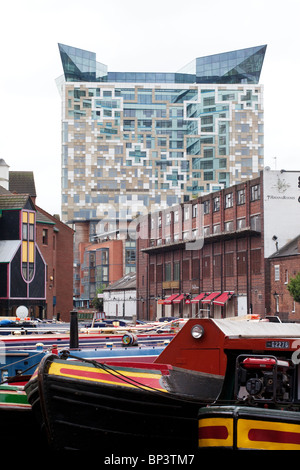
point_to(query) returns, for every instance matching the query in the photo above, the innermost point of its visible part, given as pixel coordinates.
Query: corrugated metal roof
(8, 250)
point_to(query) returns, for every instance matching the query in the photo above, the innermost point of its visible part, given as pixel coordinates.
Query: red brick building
(55, 240)
(230, 262)
(100, 264)
(221, 247)
(284, 265)
(112, 236)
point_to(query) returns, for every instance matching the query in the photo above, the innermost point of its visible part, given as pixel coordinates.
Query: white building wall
(120, 304)
(281, 208)
(4, 174)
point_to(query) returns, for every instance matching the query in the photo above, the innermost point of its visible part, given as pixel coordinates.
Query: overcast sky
(131, 35)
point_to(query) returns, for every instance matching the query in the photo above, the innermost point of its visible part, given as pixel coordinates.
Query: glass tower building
(132, 141)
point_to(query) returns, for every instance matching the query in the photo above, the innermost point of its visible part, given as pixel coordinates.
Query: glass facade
(140, 141)
(241, 66)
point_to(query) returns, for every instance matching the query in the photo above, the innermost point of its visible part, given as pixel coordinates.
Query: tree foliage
(294, 287)
(96, 302)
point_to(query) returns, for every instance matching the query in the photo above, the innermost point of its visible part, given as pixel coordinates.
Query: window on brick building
(276, 272)
(228, 226)
(216, 228)
(229, 264)
(255, 223)
(186, 269)
(159, 272)
(216, 202)
(45, 236)
(217, 265)
(206, 231)
(151, 273)
(228, 200)
(241, 197)
(256, 261)
(242, 263)
(206, 206)
(206, 266)
(195, 268)
(255, 192)
(168, 272)
(176, 271)
(240, 223)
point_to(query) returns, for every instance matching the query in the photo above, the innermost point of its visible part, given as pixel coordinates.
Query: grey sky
(161, 35)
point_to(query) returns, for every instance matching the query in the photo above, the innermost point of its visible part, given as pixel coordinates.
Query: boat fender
(129, 339)
(64, 353)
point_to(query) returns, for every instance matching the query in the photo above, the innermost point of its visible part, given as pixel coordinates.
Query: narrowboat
(85, 404)
(209, 364)
(15, 361)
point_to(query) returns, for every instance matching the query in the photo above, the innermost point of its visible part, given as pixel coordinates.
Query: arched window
(28, 224)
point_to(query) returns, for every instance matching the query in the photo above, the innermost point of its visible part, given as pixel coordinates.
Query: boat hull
(19, 426)
(248, 428)
(81, 406)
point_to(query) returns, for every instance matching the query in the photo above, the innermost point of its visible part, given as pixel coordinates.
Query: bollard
(73, 330)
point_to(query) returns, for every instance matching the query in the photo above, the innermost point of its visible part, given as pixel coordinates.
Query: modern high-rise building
(135, 142)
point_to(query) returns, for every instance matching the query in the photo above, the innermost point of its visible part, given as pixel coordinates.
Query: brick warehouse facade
(233, 260)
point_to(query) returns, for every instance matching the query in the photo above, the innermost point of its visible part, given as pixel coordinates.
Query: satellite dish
(22, 312)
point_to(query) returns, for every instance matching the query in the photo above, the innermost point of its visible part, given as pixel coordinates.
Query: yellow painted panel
(31, 252)
(267, 435)
(215, 432)
(24, 252)
(25, 217)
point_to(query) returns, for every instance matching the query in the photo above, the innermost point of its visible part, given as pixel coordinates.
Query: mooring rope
(135, 383)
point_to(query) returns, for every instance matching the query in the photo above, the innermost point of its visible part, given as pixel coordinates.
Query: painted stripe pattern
(256, 434)
(216, 432)
(13, 398)
(129, 378)
(250, 434)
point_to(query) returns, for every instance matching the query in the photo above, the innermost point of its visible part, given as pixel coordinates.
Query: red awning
(178, 299)
(210, 297)
(223, 298)
(170, 299)
(198, 298)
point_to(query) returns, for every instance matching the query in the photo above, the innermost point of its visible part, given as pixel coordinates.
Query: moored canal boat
(81, 405)
(210, 363)
(241, 427)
